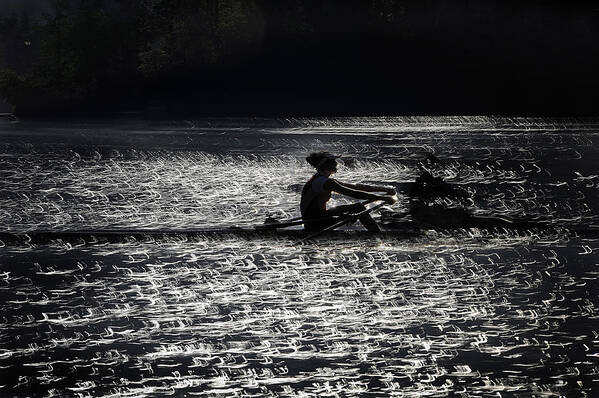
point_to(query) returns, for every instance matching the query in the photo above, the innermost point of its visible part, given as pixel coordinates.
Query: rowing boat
(398, 230)
(124, 235)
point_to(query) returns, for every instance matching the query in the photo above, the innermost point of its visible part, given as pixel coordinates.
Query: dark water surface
(468, 313)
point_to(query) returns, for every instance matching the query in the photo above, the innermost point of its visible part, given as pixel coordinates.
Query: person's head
(324, 162)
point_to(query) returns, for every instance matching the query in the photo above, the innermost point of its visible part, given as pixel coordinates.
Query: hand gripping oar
(349, 218)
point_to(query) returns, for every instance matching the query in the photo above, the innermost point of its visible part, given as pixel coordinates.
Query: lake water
(464, 313)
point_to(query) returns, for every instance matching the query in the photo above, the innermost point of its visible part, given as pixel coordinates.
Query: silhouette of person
(425, 189)
(317, 192)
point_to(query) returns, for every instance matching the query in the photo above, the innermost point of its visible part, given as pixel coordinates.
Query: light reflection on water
(418, 317)
(437, 315)
(94, 177)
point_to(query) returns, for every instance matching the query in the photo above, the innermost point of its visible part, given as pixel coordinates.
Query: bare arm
(345, 189)
(368, 188)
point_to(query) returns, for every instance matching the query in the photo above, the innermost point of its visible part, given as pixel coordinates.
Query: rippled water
(444, 314)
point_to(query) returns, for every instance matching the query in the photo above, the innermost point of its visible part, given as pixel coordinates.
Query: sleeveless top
(314, 196)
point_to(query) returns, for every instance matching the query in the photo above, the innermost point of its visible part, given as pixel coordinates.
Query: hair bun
(314, 158)
(317, 159)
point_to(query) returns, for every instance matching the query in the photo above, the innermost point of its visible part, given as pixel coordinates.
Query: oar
(298, 221)
(277, 225)
(290, 223)
(351, 217)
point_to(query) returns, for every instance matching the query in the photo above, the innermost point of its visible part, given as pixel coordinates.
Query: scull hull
(149, 235)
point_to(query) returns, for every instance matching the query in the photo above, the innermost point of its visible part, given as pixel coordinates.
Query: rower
(317, 192)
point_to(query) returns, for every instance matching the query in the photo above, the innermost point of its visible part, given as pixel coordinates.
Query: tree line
(101, 54)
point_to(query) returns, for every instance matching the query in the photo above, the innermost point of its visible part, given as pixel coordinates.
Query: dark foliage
(259, 57)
